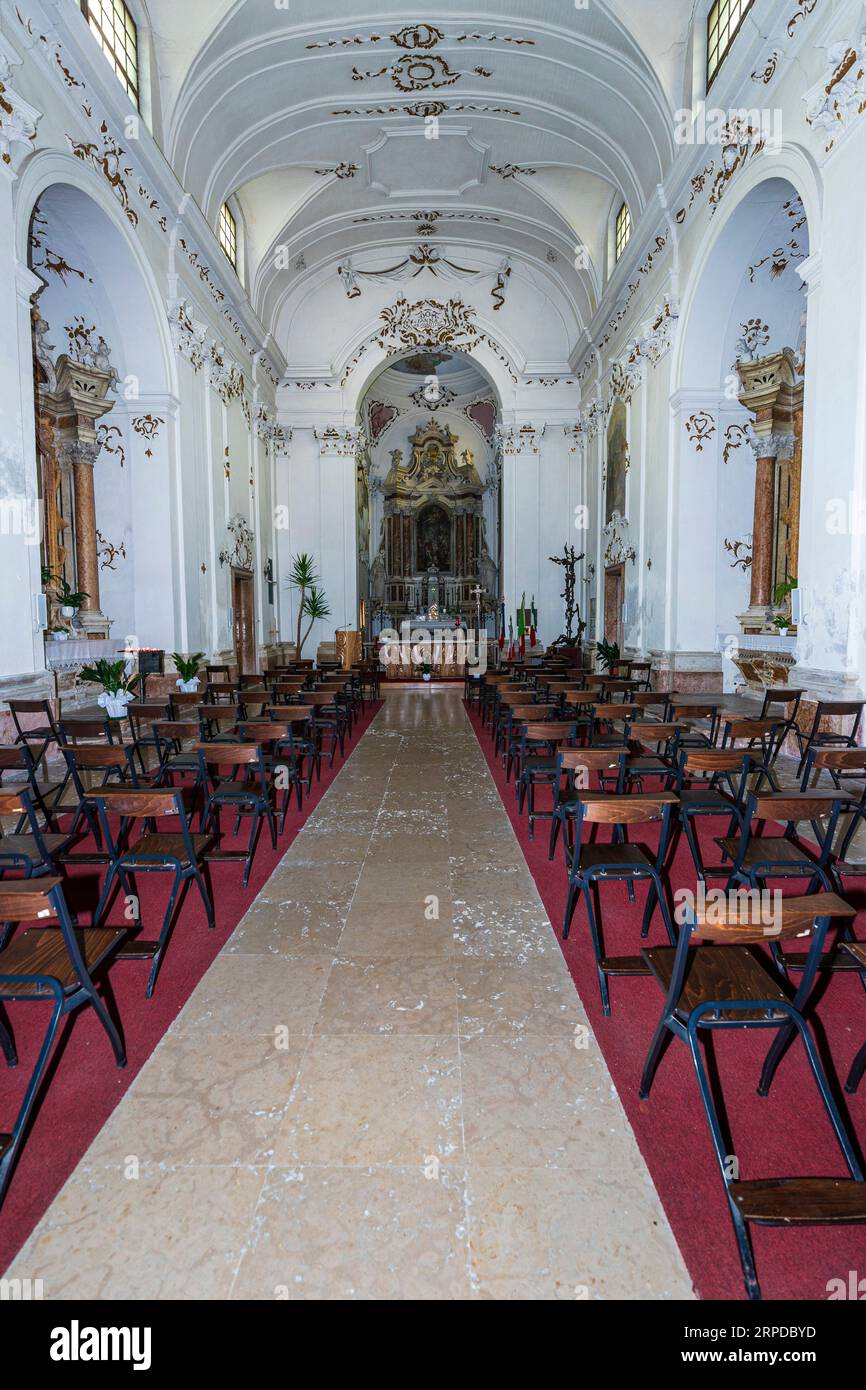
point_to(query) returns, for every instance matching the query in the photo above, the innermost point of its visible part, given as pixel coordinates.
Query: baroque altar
(433, 545)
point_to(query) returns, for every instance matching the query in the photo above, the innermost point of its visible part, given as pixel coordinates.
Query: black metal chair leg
(855, 1075)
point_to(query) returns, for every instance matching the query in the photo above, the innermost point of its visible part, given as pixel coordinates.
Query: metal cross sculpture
(569, 561)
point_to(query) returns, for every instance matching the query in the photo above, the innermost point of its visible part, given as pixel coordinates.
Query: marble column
(82, 458)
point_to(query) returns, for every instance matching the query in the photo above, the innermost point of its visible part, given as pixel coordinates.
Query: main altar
(433, 550)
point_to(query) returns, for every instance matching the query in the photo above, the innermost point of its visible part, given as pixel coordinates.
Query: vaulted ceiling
(320, 117)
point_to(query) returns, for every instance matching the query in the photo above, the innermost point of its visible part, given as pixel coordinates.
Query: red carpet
(83, 1084)
(786, 1134)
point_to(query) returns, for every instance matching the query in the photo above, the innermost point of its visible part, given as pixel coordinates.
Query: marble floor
(384, 1087)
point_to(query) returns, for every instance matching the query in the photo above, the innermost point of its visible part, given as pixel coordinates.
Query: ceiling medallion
(427, 323)
(412, 74)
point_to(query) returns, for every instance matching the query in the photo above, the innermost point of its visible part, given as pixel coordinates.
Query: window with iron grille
(114, 29)
(228, 235)
(623, 229)
(723, 24)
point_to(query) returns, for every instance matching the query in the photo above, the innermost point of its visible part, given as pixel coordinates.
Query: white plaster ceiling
(261, 101)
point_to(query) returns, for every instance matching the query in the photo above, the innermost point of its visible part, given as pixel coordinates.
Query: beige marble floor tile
(398, 929)
(508, 998)
(409, 994)
(371, 1099)
(203, 1100)
(554, 1234)
(533, 1102)
(170, 1233)
(288, 928)
(256, 995)
(341, 1233)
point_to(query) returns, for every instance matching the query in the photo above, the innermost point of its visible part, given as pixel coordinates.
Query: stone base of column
(94, 625)
(756, 618)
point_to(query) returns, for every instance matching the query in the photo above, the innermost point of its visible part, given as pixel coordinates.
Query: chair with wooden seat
(655, 752)
(757, 736)
(303, 741)
(536, 762)
(574, 772)
(641, 672)
(652, 704)
(142, 718)
(756, 858)
(215, 674)
(54, 963)
(841, 765)
(222, 692)
(592, 864)
(31, 850)
(154, 850)
(284, 692)
(17, 760)
(85, 762)
(611, 724)
(328, 722)
(176, 740)
(829, 738)
(44, 733)
(782, 704)
(703, 717)
(724, 986)
(711, 782)
(512, 730)
(281, 763)
(245, 790)
(184, 704)
(218, 723)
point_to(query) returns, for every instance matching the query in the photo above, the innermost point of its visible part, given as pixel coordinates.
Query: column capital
(772, 445)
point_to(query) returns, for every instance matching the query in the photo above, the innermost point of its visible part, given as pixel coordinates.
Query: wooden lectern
(349, 648)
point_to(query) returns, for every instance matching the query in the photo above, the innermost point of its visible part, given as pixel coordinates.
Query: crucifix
(477, 593)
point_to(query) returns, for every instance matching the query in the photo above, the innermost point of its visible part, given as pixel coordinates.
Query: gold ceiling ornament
(110, 440)
(341, 171)
(804, 8)
(424, 257)
(427, 323)
(109, 554)
(425, 109)
(742, 553)
(700, 429)
(107, 161)
(147, 427)
(420, 37)
(735, 437)
(778, 260)
(510, 171)
(419, 74)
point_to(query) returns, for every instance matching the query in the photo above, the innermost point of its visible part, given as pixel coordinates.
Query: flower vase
(188, 687)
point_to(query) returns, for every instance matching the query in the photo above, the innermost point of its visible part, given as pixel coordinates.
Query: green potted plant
(70, 599)
(316, 608)
(303, 577)
(780, 622)
(187, 668)
(608, 653)
(425, 670)
(116, 692)
(58, 634)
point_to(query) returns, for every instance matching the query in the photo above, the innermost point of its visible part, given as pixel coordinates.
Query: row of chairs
(596, 762)
(149, 805)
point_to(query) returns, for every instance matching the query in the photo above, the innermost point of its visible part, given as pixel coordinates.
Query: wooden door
(614, 597)
(243, 607)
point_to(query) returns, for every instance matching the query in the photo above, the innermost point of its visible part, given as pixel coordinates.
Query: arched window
(622, 231)
(228, 235)
(114, 29)
(724, 22)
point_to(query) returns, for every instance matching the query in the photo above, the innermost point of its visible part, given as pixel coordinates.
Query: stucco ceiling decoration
(427, 323)
(424, 257)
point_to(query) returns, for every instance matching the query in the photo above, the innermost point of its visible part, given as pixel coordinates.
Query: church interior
(432, 766)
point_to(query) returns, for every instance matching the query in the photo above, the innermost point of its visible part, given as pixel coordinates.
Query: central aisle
(384, 1087)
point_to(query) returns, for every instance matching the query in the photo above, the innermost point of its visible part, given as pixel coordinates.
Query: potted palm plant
(608, 653)
(304, 578)
(116, 692)
(187, 668)
(316, 607)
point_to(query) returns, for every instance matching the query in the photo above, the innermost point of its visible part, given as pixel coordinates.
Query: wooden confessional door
(614, 597)
(243, 608)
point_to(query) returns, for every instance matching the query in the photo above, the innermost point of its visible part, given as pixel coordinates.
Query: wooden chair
(142, 718)
(53, 963)
(248, 796)
(723, 986)
(841, 765)
(592, 864)
(44, 733)
(707, 711)
(17, 758)
(539, 743)
(825, 738)
(175, 759)
(184, 703)
(576, 766)
(604, 717)
(218, 723)
(215, 674)
(222, 692)
(304, 743)
(755, 858)
(660, 759)
(36, 852)
(280, 760)
(328, 722)
(760, 736)
(154, 851)
(641, 673)
(782, 704)
(512, 733)
(84, 762)
(711, 782)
